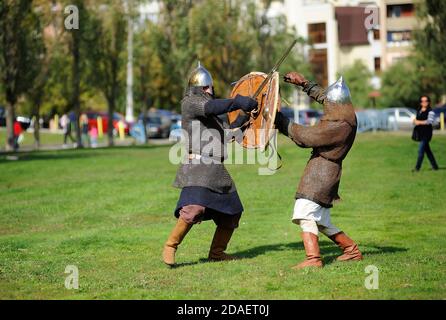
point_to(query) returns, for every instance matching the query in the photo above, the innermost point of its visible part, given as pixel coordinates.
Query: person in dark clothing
(208, 192)
(65, 123)
(423, 126)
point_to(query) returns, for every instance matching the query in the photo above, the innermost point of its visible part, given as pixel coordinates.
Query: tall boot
(313, 255)
(175, 238)
(350, 248)
(219, 245)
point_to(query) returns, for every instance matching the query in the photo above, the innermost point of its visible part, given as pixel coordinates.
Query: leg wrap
(329, 230)
(309, 226)
(192, 213)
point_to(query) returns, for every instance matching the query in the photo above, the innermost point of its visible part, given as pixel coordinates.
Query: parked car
(25, 122)
(306, 117)
(93, 116)
(309, 116)
(157, 125)
(438, 112)
(287, 112)
(165, 113)
(372, 120)
(400, 118)
(175, 128)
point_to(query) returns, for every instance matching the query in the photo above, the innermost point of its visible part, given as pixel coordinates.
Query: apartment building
(338, 35)
(398, 21)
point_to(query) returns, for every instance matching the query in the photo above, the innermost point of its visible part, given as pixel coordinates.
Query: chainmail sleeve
(326, 133)
(315, 91)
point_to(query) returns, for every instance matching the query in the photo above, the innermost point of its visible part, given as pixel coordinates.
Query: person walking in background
(18, 134)
(84, 126)
(65, 123)
(94, 137)
(423, 132)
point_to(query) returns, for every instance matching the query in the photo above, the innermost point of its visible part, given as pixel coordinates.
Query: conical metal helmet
(200, 77)
(338, 92)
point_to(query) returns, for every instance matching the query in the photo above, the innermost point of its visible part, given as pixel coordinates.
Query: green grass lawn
(109, 211)
(46, 139)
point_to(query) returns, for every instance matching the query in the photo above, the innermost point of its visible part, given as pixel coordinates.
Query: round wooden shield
(261, 123)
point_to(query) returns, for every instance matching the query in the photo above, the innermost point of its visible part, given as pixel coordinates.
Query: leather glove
(245, 103)
(295, 78)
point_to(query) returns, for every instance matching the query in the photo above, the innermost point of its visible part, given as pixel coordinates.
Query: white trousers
(313, 218)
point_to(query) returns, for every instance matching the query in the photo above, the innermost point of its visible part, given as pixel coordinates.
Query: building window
(399, 36)
(317, 33)
(377, 65)
(318, 61)
(376, 34)
(400, 10)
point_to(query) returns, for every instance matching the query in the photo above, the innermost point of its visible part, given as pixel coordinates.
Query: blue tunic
(227, 203)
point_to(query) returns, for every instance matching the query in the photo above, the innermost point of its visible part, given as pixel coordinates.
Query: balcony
(401, 23)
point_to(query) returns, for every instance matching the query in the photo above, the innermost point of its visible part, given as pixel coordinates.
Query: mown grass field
(109, 211)
(46, 139)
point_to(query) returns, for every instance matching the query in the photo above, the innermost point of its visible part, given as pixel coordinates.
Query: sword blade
(274, 69)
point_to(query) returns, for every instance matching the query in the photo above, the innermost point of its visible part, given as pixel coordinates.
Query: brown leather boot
(350, 248)
(313, 254)
(175, 238)
(219, 245)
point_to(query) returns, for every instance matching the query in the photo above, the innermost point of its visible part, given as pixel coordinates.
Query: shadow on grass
(329, 251)
(45, 156)
(68, 154)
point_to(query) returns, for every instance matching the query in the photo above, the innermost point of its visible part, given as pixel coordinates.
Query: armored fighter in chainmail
(208, 192)
(331, 140)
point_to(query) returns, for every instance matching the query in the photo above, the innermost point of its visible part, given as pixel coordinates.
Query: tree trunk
(144, 120)
(76, 84)
(129, 93)
(111, 111)
(10, 117)
(146, 102)
(37, 126)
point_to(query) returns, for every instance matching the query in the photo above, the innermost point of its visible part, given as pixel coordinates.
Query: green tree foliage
(424, 72)
(84, 68)
(21, 48)
(400, 86)
(429, 54)
(358, 78)
(231, 38)
(106, 55)
(431, 41)
(272, 37)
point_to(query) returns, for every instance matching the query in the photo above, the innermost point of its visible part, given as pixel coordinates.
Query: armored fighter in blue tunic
(208, 192)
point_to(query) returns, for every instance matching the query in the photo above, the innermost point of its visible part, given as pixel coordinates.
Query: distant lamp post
(129, 92)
